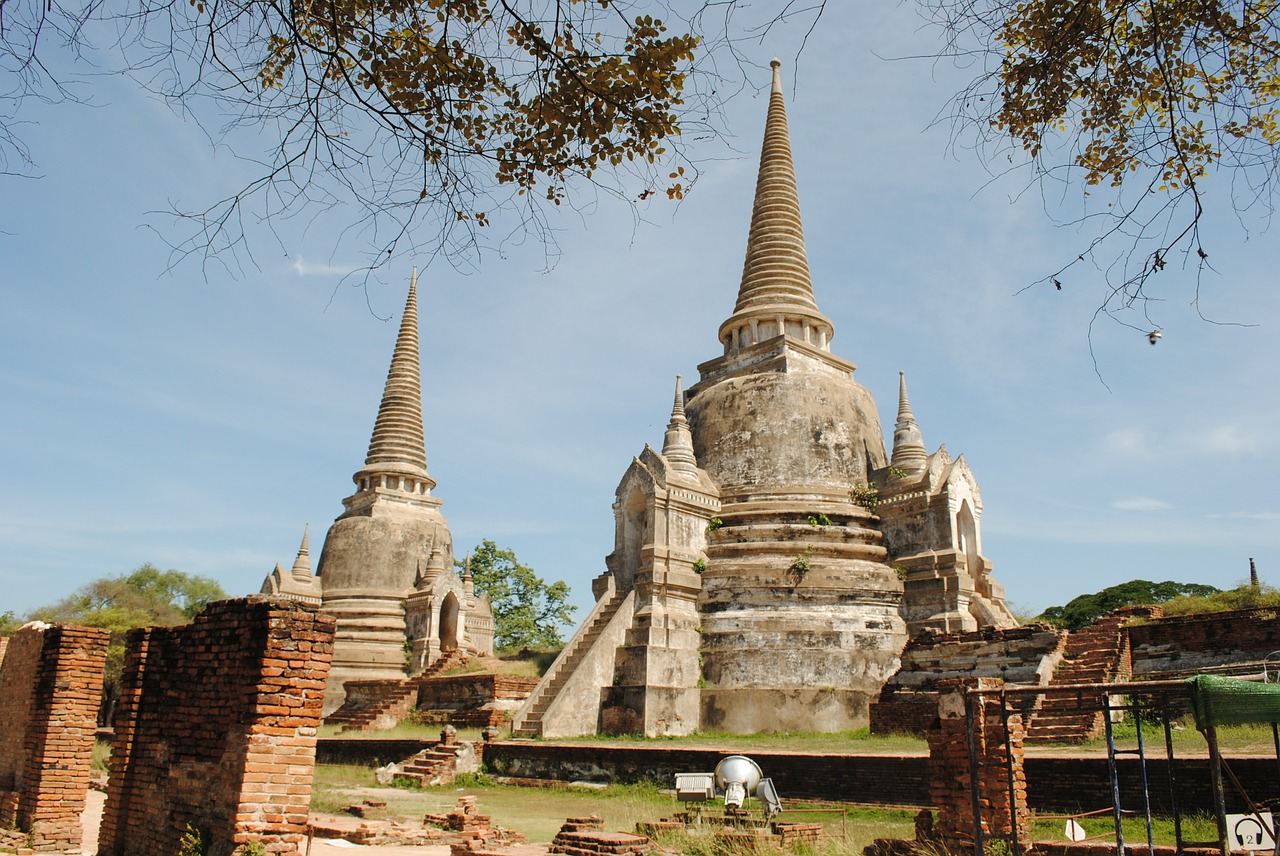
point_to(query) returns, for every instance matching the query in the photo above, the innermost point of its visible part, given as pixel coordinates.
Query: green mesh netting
(1230, 701)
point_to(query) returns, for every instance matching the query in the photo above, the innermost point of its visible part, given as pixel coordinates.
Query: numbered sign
(1251, 831)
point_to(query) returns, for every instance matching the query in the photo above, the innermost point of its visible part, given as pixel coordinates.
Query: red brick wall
(1183, 646)
(4, 643)
(470, 691)
(216, 729)
(1003, 811)
(50, 686)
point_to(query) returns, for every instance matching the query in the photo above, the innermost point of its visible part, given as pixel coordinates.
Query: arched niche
(635, 513)
(967, 538)
(449, 623)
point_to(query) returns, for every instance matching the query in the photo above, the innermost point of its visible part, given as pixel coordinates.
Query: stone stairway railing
(528, 720)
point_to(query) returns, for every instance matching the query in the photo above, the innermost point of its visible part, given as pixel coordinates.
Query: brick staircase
(393, 702)
(563, 668)
(1097, 654)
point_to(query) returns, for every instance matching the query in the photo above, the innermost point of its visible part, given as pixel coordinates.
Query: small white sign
(1251, 832)
(1074, 831)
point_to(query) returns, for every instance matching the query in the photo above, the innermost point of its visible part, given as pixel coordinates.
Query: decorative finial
(904, 406)
(776, 294)
(302, 564)
(677, 445)
(397, 442)
(909, 454)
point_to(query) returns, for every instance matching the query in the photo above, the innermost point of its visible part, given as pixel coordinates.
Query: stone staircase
(529, 720)
(1097, 654)
(388, 705)
(439, 764)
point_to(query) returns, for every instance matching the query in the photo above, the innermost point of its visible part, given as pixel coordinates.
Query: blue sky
(197, 416)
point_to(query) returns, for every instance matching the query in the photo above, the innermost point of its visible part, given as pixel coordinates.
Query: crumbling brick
(1003, 810)
(50, 687)
(216, 729)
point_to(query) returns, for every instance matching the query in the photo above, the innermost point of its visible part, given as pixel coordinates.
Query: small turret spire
(776, 293)
(677, 445)
(909, 453)
(302, 564)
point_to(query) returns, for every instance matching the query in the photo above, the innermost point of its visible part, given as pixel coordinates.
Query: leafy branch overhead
(411, 110)
(1144, 99)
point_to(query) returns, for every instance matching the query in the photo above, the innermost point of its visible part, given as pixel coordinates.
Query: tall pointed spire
(302, 564)
(397, 442)
(776, 294)
(909, 453)
(677, 445)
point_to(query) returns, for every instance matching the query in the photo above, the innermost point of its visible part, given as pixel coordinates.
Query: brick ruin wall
(215, 730)
(1003, 811)
(1220, 642)
(908, 702)
(473, 701)
(50, 688)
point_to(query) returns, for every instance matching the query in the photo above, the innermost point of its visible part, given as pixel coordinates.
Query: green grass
(534, 812)
(860, 742)
(1187, 741)
(406, 730)
(538, 813)
(843, 834)
(101, 755)
(1198, 827)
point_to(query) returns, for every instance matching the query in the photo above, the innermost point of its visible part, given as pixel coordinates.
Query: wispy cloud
(1226, 439)
(1127, 442)
(1232, 440)
(1141, 503)
(306, 268)
(1247, 515)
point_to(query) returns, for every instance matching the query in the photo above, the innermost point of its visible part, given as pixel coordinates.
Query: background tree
(146, 597)
(1243, 596)
(528, 612)
(1137, 102)
(9, 623)
(1087, 608)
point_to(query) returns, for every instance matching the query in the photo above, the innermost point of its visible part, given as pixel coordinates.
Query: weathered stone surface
(386, 571)
(768, 592)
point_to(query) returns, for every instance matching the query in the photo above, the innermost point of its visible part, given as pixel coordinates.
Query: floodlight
(737, 776)
(695, 787)
(768, 796)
